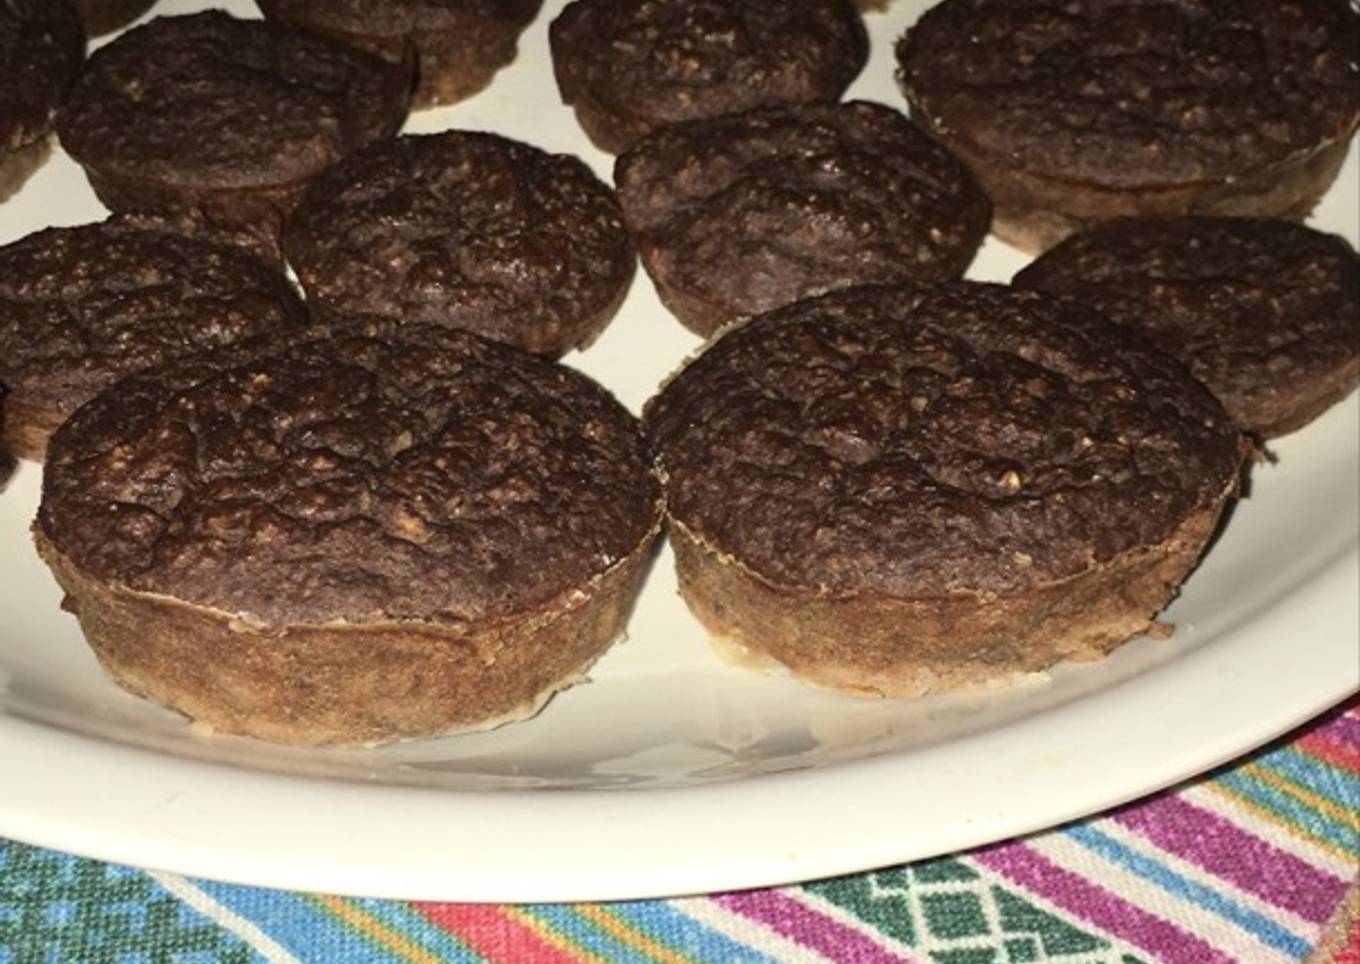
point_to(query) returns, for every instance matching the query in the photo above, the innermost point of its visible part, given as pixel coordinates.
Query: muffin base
(258, 208)
(610, 131)
(880, 646)
(1285, 409)
(1034, 212)
(343, 683)
(697, 313)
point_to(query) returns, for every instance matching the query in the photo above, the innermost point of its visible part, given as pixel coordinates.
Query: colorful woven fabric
(1247, 865)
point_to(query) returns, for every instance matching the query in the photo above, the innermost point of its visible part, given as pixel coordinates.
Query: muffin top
(670, 60)
(751, 211)
(1256, 308)
(207, 99)
(42, 46)
(1132, 95)
(423, 474)
(918, 441)
(468, 230)
(82, 306)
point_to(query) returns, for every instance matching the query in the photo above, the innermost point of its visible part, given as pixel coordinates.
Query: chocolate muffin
(232, 116)
(460, 43)
(630, 66)
(83, 306)
(1266, 313)
(1077, 112)
(105, 16)
(41, 49)
(898, 490)
(466, 230)
(352, 540)
(737, 215)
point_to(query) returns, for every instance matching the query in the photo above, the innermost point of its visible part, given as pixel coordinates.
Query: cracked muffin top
(750, 211)
(429, 475)
(469, 230)
(85, 305)
(211, 100)
(653, 62)
(916, 441)
(1136, 93)
(1264, 312)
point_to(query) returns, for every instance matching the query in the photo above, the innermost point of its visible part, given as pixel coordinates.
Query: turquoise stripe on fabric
(310, 932)
(1253, 922)
(1291, 809)
(667, 923)
(569, 922)
(296, 924)
(1319, 776)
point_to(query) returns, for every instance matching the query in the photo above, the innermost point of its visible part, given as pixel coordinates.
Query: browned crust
(879, 646)
(1033, 212)
(345, 683)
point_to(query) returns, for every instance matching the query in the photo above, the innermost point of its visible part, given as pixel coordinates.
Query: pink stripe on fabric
(1345, 729)
(1093, 903)
(1243, 860)
(812, 929)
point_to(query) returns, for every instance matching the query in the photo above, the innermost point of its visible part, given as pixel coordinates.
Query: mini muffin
(105, 16)
(1082, 111)
(41, 49)
(232, 116)
(1266, 313)
(460, 43)
(83, 306)
(353, 540)
(630, 66)
(465, 230)
(899, 490)
(737, 215)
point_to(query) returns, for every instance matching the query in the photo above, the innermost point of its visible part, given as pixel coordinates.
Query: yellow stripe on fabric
(375, 930)
(626, 933)
(551, 935)
(1304, 795)
(1265, 813)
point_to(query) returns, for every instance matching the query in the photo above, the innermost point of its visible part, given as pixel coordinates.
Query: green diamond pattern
(949, 912)
(55, 909)
(955, 915)
(1057, 937)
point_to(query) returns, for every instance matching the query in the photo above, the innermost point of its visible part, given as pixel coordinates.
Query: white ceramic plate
(671, 773)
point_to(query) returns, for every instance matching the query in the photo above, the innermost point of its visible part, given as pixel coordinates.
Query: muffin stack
(378, 508)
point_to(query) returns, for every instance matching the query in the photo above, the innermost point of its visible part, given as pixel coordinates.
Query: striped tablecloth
(1255, 863)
